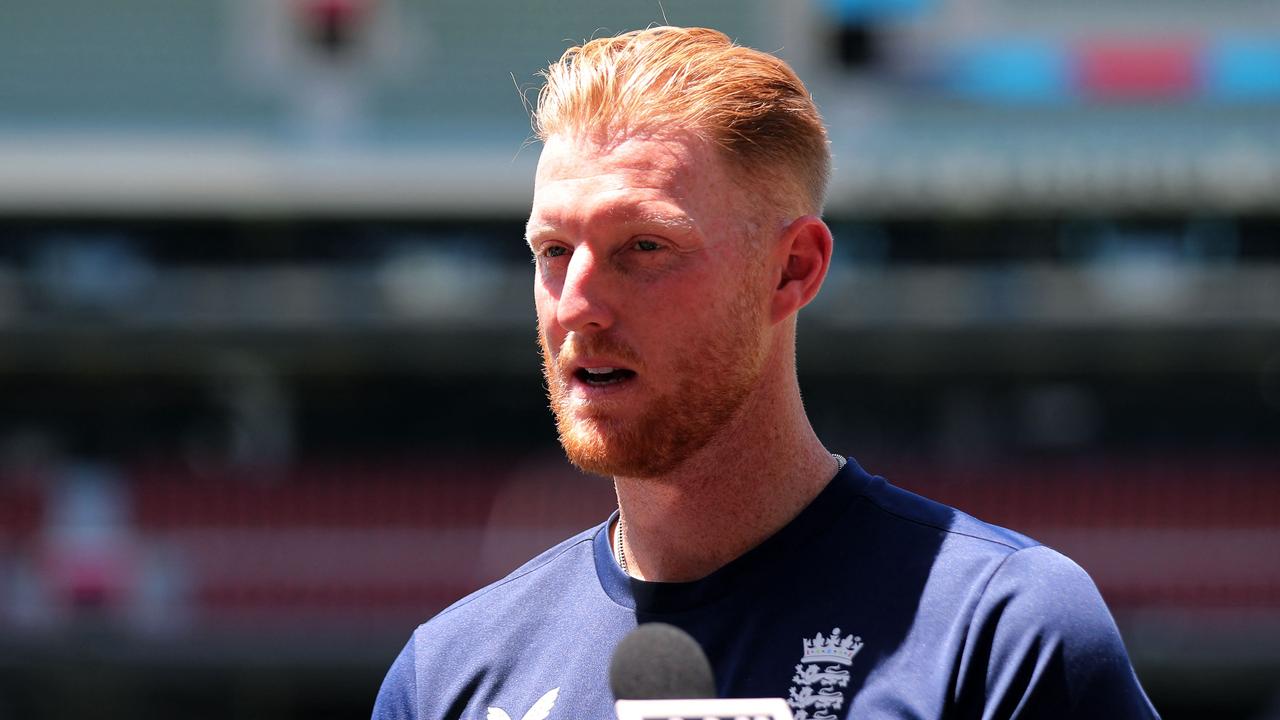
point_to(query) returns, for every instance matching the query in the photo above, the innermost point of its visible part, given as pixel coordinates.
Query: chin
(617, 449)
(595, 447)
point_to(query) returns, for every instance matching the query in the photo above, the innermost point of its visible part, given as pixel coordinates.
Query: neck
(752, 479)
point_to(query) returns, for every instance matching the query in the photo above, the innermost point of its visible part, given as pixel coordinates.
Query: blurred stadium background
(270, 388)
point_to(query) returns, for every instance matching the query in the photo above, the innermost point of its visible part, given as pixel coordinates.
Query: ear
(801, 259)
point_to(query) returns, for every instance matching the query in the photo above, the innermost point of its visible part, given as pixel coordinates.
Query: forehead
(670, 176)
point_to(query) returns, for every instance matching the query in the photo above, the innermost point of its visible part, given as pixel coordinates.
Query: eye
(554, 251)
(647, 245)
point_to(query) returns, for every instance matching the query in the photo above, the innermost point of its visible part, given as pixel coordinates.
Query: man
(676, 232)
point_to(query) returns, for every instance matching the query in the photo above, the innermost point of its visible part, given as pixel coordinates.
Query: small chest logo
(821, 681)
(539, 711)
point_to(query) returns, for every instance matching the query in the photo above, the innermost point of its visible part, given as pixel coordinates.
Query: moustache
(577, 346)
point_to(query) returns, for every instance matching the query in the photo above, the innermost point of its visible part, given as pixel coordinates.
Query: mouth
(603, 376)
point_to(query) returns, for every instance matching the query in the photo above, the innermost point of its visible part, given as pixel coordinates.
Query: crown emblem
(836, 649)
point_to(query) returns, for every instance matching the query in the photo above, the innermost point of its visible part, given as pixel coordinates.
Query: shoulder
(474, 635)
(565, 562)
(1008, 573)
(997, 569)
(1034, 637)
(1043, 643)
(1037, 589)
(909, 514)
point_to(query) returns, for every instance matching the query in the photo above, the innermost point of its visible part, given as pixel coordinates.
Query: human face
(651, 299)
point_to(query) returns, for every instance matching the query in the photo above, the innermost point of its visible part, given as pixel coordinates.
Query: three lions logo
(822, 666)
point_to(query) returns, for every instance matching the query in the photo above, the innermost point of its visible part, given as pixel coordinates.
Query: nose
(583, 306)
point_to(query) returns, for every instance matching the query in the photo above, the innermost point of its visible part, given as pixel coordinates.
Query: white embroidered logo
(539, 711)
(820, 667)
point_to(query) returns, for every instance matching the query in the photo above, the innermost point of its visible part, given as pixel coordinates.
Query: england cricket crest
(821, 682)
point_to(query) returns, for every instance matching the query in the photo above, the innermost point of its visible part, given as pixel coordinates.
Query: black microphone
(657, 661)
(659, 672)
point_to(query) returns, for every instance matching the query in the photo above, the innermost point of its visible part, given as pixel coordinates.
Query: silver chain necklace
(622, 556)
(617, 540)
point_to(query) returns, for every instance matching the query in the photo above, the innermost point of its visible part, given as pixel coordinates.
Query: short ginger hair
(747, 103)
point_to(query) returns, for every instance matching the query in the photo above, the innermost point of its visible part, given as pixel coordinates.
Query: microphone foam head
(657, 661)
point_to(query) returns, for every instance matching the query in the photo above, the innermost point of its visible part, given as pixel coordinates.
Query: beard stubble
(715, 374)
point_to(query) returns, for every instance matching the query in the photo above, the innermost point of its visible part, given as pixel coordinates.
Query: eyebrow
(533, 229)
(682, 223)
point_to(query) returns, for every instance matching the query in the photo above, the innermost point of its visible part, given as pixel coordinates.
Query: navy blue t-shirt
(872, 603)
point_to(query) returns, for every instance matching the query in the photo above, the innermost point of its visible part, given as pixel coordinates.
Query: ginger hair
(749, 104)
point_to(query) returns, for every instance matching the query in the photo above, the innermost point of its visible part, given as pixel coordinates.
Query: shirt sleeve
(396, 697)
(1043, 645)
